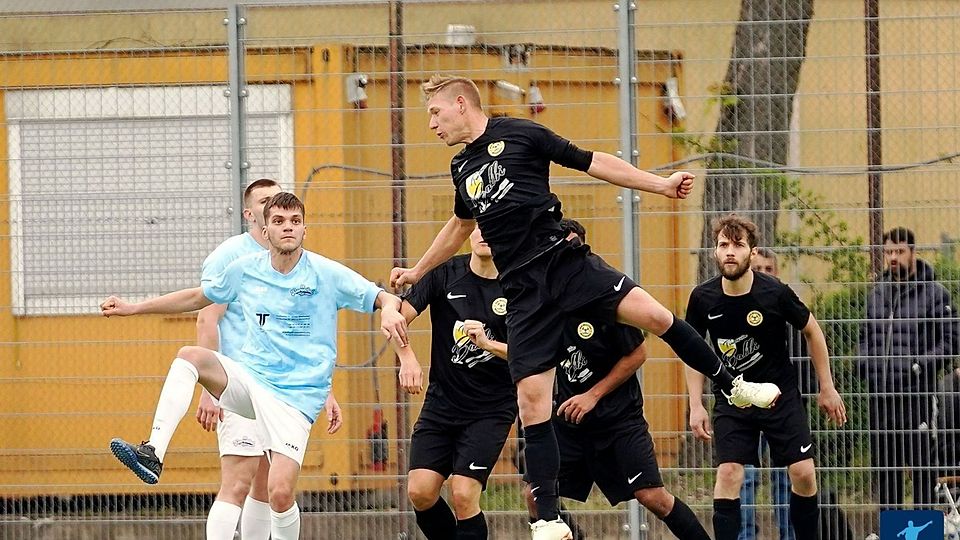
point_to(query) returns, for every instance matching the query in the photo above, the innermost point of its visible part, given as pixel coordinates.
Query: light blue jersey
(233, 329)
(291, 343)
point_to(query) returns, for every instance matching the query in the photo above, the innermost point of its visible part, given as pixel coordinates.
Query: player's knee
(281, 496)
(421, 495)
(235, 489)
(803, 477)
(657, 499)
(466, 502)
(730, 475)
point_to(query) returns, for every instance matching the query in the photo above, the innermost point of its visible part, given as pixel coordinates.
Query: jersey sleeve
(460, 208)
(696, 315)
(224, 286)
(353, 291)
(794, 310)
(216, 261)
(423, 292)
(560, 150)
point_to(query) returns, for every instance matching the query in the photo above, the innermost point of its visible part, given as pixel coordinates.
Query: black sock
(726, 519)
(543, 466)
(693, 350)
(474, 528)
(805, 516)
(683, 523)
(437, 522)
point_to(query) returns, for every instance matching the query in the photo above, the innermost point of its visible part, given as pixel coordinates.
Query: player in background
(745, 314)
(471, 402)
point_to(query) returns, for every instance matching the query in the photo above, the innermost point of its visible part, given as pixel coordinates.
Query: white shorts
(238, 436)
(284, 429)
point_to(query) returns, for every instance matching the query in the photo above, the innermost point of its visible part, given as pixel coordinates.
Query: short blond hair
(458, 86)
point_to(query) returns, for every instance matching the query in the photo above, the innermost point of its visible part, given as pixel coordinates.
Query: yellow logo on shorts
(499, 306)
(495, 148)
(754, 318)
(585, 330)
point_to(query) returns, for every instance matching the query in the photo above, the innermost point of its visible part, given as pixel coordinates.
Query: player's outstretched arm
(445, 245)
(181, 301)
(618, 172)
(699, 417)
(829, 399)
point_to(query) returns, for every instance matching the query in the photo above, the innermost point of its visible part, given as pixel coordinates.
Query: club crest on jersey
(754, 318)
(499, 306)
(303, 290)
(585, 330)
(495, 148)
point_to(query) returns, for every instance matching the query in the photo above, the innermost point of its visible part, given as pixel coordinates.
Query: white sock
(222, 521)
(175, 398)
(286, 525)
(255, 520)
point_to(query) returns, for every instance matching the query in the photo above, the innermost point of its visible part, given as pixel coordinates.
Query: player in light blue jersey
(290, 298)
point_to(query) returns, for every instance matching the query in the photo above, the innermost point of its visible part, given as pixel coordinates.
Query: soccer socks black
(683, 523)
(693, 350)
(474, 528)
(543, 465)
(726, 519)
(805, 516)
(437, 522)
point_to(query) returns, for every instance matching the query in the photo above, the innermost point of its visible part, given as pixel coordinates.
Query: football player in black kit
(471, 402)
(745, 313)
(603, 436)
(502, 184)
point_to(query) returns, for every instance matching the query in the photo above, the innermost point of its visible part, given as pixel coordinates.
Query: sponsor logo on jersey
(575, 365)
(739, 353)
(754, 318)
(499, 306)
(495, 148)
(464, 351)
(262, 318)
(585, 330)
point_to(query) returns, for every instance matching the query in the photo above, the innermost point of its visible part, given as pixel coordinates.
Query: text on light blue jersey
(291, 343)
(232, 327)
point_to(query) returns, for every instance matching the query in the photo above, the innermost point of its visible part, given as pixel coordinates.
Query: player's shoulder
(235, 247)
(766, 284)
(712, 286)
(506, 125)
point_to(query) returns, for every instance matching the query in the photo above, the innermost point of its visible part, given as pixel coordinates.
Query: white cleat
(744, 394)
(550, 530)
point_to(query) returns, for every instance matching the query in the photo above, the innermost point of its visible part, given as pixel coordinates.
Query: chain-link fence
(126, 137)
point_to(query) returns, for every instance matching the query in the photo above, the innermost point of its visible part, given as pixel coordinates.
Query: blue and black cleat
(139, 458)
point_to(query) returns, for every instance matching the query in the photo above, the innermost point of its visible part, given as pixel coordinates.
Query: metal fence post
(626, 98)
(236, 93)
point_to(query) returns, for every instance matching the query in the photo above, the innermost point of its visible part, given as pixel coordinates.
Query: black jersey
(502, 180)
(464, 379)
(749, 332)
(590, 350)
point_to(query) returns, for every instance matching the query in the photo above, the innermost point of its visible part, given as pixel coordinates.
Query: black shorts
(543, 292)
(620, 460)
(465, 447)
(736, 432)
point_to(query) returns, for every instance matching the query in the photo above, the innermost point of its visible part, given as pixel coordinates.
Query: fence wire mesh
(825, 126)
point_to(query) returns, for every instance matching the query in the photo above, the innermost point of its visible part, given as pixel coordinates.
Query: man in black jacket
(909, 338)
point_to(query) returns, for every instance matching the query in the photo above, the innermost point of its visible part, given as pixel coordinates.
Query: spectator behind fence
(909, 338)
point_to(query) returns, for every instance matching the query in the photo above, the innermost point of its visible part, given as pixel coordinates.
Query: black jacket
(910, 334)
